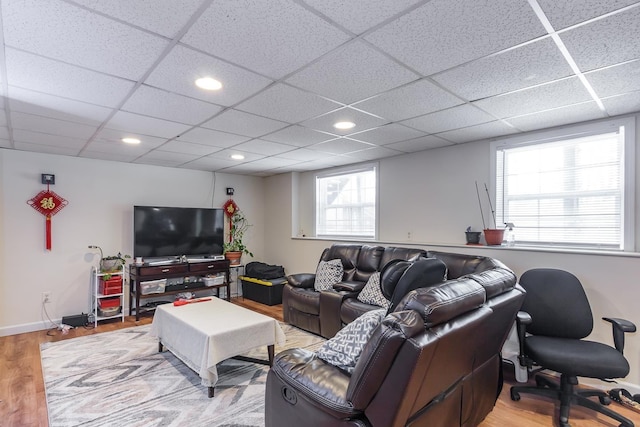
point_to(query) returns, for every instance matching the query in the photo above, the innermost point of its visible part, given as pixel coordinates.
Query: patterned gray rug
(119, 379)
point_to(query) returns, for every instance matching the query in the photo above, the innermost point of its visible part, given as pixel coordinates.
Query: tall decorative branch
(484, 226)
(493, 212)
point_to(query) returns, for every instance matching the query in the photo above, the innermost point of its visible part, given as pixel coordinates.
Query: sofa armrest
(330, 303)
(304, 373)
(302, 280)
(349, 286)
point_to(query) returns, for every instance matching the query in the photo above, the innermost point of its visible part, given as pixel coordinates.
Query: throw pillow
(328, 274)
(344, 349)
(372, 294)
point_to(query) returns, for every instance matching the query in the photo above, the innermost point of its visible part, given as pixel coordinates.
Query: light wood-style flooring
(23, 404)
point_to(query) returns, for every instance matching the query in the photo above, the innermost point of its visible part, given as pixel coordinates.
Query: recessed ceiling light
(131, 140)
(208, 83)
(237, 157)
(344, 125)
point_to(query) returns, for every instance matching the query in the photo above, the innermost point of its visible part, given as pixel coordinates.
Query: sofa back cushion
(458, 265)
(407, 254)
(423, 273)
(358, 261)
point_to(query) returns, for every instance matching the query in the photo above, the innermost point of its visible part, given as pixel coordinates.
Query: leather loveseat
(301, 303)
(433, 361)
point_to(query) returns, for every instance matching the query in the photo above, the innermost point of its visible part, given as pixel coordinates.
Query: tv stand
(168, 270)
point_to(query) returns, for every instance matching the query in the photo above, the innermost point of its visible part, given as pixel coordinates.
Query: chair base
(566, 394)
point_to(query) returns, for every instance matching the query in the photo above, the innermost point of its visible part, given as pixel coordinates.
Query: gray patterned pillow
(344, 349)
(328, 274)
(372, 294)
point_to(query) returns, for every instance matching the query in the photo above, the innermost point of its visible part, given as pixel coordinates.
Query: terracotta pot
(493, 237)
(233, 257)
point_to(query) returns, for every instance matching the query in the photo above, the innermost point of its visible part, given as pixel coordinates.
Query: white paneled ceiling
(77, 76)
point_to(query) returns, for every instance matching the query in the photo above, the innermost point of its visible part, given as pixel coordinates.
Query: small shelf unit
(98, 297)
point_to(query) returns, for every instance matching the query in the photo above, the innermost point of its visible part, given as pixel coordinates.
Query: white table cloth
(205, 333)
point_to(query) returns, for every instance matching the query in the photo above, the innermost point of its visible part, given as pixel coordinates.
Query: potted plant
(112, 263)
(234, 248)
(493, 236)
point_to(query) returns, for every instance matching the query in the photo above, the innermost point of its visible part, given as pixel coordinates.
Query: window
(570, 190)
(346, 203)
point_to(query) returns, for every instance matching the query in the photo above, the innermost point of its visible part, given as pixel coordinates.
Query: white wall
(432, 195)
(101, 197)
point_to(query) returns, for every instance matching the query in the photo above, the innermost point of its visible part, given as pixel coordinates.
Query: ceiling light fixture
(208, 83)
(131, 140)
(237, 157)
(344, 125)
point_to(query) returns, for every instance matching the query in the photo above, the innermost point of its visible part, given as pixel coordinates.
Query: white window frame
(569, 132)
(346, 171)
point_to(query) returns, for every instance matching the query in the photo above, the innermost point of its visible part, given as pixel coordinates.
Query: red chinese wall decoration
(230, 208)
(48, 204)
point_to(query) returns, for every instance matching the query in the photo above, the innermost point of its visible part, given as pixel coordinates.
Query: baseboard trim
(28, 327)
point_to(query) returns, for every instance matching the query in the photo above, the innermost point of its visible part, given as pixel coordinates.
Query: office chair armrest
(522, 320)
(620, 326)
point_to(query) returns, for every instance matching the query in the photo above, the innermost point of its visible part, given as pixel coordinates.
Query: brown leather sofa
(433, 361)
(301, 303)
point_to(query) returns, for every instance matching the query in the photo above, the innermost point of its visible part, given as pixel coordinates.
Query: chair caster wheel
(515, 396)
(604, 400)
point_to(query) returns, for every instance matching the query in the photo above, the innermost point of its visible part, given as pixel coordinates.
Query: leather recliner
(433, 361)
(301, 303)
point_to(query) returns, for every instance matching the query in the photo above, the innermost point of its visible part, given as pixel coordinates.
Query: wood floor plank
(23, 401)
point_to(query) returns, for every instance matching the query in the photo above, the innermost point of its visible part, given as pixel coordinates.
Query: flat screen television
(172, 232)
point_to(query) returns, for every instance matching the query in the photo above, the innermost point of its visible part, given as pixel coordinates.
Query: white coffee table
(205, 333)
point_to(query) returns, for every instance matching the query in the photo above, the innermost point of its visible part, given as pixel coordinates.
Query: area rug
(120, 379)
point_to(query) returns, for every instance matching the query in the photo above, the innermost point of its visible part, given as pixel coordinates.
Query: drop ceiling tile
(212, 137)
(387, 134)
(189, 148)
(454, 32)
(166, 18)
(47, 149)
(563, 14)
(274, 38)
(67, 81)
(241, 123)
(55, 107)
(3, 118)
(161, 104)
(43, 139)
(374, 153)
(303, 155)
(114, 157)
(340, 146)
(419, 144)
(452, 118)
(298, 136)
(182, 66)
(558, 116)
(51, 126)
(145, 125)
(478, 132)
(127, 152)
(5, 143)
(362, 71)
(165, 158)
(359, 16)
(76, 36)
(267, 148)
(114, 138)
(414, 99)
(616, 80)
(525, 66)
(363, 121)
(272, 163)
(227, 153)
(288, 104)
(623, 104)
(538, 98)
(607, 41)
(209, 164)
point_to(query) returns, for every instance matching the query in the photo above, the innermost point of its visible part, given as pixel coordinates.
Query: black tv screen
(168, 231)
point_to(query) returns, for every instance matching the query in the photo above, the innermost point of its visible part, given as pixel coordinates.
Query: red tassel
(48, 232)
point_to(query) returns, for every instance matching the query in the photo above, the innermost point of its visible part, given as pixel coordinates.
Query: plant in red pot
(235, 248)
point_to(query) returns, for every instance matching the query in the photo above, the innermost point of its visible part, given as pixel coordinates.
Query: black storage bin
(267, 292)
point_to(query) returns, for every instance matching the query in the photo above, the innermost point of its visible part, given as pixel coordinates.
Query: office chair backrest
(557, 304)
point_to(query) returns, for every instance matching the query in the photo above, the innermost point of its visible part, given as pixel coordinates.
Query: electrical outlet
(46, 297)
(408, 235)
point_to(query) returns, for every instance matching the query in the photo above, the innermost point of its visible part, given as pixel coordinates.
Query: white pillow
(344, 349)
(372, 294)
(328, 274)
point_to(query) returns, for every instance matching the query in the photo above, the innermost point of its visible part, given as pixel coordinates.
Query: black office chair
(552, 323)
